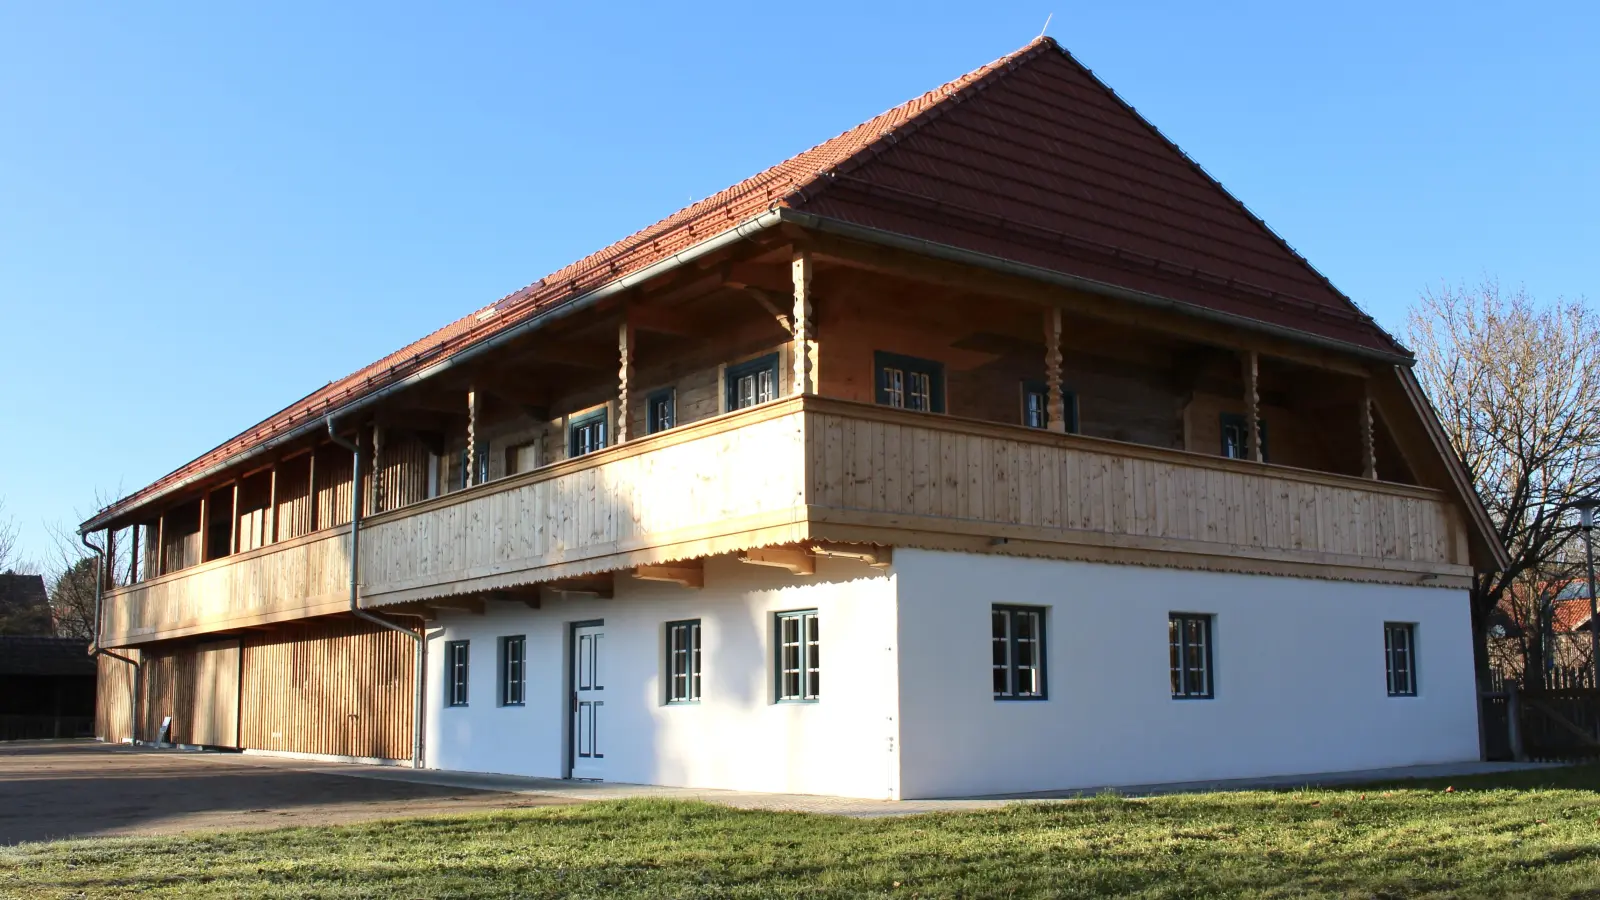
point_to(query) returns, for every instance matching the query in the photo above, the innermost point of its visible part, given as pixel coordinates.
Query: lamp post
(1586, 508)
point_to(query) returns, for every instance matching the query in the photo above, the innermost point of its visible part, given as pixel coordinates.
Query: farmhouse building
(989, 446)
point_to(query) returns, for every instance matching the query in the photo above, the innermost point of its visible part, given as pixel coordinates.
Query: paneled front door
(588, 700)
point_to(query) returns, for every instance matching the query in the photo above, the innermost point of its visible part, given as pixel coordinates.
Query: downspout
(419, 678)
(96, 651)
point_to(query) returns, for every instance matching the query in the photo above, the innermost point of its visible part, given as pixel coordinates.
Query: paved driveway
(54, 790)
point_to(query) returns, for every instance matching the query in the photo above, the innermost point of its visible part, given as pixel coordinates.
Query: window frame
(1069, 405)
(602, 417)
(1182, 691)
(810, 690)
(1011, 612)
(457, 690)
(910, 365)
(1409, 629)
(667, 397)
(507, 683)
(1239, 421)
(732, 373)
(694, 657)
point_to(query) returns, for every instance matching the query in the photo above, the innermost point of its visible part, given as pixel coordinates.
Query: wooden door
(588, 700)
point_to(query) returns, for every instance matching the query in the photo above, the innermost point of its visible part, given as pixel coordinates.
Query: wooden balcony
(811, 468)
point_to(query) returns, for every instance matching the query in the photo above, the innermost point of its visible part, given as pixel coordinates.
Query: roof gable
(1043, 164)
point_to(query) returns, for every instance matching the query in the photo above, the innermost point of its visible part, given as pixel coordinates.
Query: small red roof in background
(1030, 158)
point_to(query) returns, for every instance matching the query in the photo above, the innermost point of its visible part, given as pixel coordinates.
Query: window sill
(694, 702)
(1023, 699)
(795, 701)
(1194, 696)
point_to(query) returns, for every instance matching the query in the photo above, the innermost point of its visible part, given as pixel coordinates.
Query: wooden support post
(1369, 452)
(271, 529)
(134, 576)
(1055, 401)
(625, 350)
(233, 524)
(793, 558)
(469, 478)
(1252, 406)
(311, 492)
(804, 328)
(108, 572)
(1514, 723)
(205, 520)
(161, 545)
(687, 573)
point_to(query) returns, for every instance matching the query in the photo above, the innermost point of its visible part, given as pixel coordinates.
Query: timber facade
(1026, 333)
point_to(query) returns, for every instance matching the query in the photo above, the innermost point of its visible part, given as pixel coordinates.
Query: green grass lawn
(1529, 834)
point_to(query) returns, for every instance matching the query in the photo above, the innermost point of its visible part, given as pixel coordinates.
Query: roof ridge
(1228, 195)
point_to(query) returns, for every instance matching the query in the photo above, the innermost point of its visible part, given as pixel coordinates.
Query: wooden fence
(1556, 724)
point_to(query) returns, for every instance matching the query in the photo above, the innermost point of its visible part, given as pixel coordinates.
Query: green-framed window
(799, 663)
(1017, 639)
(513, 669)
(683, 661)
(1400, 658)
(1236, 437)
(1189, 643)
(660, 411)
(906, 382)
(587, 433)
(1036, 406)
(456, 668)
(752, 382)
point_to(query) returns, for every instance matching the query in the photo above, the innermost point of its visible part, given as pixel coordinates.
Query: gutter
(949, 253)
(96, 651)
(419, 679)
(738, 233)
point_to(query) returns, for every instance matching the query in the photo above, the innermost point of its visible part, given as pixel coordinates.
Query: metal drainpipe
(96, 651)
(419, 677)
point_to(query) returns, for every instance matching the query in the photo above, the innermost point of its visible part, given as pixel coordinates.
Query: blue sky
(207, 211)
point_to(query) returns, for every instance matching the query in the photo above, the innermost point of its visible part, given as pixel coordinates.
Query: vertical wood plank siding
(896, 465)
(197, 685)
(341, 687)
(294, 497)
(333, 487)
(113, 704)
(405, 472)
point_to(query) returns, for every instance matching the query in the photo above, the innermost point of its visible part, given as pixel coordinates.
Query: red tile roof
(1028, 158)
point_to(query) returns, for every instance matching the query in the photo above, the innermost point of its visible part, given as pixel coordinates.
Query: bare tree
(1516, 384)
(8, 540)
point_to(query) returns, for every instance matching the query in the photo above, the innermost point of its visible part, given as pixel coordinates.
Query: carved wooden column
(804, 329)
(625, 351)
(377, 504)
(1369, 452)
(470, 477)
(1055, 400)
(1252, 406)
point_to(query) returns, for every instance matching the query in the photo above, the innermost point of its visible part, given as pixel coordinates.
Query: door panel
(588, 701)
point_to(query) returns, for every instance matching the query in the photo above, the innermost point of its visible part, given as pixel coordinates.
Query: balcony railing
(813, 468)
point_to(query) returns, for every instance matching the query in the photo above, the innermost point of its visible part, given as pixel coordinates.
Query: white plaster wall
(1298, 668)
(736, 737)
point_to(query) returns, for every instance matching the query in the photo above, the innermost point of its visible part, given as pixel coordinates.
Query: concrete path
(577, 791)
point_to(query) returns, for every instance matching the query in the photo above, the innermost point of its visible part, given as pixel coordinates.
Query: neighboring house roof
(49, 656)
(1030, 159)
(24, 605)
(1569, 605)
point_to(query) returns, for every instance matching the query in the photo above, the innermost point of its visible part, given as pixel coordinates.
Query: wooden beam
(1252, 405)
(804, 329)
(1055, 401)
(625, 352)
(108, 571)
(161, 544)
(660, 321)
(205, 514)
(795, 559)
(690, 573)
(311, 492)
(133, 551)
(769, 301)
(871, 554)
(1369, 452)
(471, 604)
